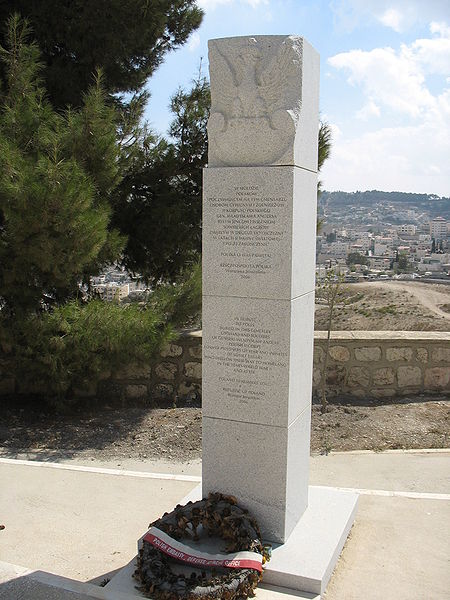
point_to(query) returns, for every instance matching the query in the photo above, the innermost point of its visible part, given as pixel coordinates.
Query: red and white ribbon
(186, 554)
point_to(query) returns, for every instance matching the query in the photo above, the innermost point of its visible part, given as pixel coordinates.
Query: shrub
(70, 347)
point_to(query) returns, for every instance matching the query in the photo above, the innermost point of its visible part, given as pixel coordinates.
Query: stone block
(339, 353)
(189, 390)
(441, 355)
(319, 354)
(263, 111)
(437, 378)
(336, 376)
(136, 391)
(368, 353)
(422, 355)
(258, 232)
(317, 376)
(257, 358)
(409, 376)
(267, 469)
(195, 351)
(384, 376)
(166, 370)
(193, 370)
(399, 354)
(134, 371)
(358, 376)
(163, 391)
(171, 350)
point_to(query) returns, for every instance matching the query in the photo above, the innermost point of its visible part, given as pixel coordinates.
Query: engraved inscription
(248, 225)
(247, 354)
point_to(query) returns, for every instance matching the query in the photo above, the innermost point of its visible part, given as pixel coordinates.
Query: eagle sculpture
(255, 101)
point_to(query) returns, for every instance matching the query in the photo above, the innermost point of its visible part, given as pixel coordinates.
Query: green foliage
(324, 150)
(390, 309)
(355, 258)
(181, 303)
(403, 263)
(68, 348)
(56, 173)
(332, 293)
(325, 138)
(127, 39)
(159, 205)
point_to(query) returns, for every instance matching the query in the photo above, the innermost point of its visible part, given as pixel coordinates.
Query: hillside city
(358, 238)
(383, 238)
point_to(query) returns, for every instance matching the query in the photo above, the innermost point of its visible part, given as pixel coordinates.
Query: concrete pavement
(84, 524)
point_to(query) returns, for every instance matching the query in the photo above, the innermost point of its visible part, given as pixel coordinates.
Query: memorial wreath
(217, 516)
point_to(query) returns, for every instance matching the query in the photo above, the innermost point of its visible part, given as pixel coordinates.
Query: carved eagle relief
(256, 100)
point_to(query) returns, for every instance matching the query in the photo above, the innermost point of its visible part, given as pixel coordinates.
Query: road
(425, 293)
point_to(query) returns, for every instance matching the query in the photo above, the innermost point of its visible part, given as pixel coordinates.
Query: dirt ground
(175, 433)
(391, 306)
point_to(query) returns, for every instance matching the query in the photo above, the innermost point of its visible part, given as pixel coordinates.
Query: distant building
(433, 265)
(380, 262)
(438, 228)
(408, 229)
(112, 291)
(338, 249)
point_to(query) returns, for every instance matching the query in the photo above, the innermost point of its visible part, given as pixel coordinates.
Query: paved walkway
(81, 521)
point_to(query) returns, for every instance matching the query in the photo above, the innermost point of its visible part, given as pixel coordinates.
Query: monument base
(306, 561)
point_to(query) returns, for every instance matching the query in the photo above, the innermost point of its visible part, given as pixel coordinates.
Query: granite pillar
(259, 224)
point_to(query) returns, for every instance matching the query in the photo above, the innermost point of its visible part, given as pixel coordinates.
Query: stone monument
(259, 224)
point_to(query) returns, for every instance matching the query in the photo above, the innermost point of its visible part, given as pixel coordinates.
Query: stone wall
(370, 364)
(364, 364)
(383, 364)
(175, 375)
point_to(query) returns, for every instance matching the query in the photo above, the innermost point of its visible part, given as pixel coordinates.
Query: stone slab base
(20, 583)
(306, 561)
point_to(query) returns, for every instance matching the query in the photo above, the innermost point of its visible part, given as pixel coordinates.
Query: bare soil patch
(174, 434)
(391, 306)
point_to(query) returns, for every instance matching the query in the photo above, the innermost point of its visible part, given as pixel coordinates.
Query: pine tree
(160, 197)
(126, 39)
(56, 172)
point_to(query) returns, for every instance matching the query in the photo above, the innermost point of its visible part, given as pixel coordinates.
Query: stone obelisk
(259, 224)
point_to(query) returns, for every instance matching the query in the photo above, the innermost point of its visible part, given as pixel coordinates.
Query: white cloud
(194, 42)
(368, 110)
(396, 14)
(441, 28)
(410, 157)
(392, 18)
(397, 79)
(391, 79)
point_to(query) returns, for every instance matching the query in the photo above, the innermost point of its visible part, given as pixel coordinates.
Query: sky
(385, 82)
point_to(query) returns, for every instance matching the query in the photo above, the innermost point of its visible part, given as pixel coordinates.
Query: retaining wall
(364, 364)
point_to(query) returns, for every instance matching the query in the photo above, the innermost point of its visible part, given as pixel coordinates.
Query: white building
(364, 242)
(433, 265)
(382, 245)
(379, 262)
(438, 228)
(338, 249)
(112, 291)
(408, 229)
